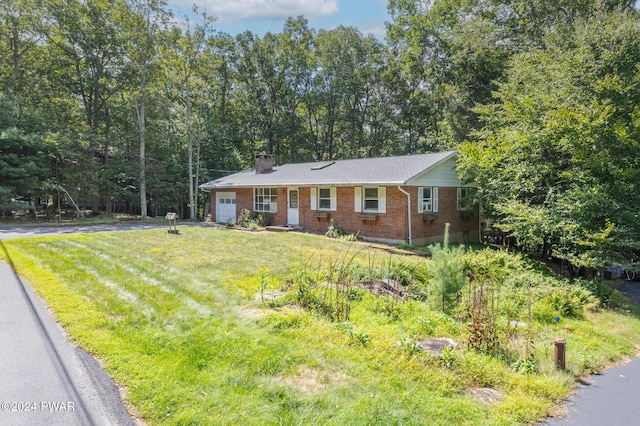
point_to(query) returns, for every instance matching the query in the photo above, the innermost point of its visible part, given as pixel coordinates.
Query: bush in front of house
(253, 220)
(336, 231)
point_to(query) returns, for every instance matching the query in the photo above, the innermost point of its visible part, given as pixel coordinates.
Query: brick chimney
(264, 163)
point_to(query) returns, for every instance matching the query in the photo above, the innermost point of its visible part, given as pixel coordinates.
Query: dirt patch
(312, 381)
(251, 313)
(386, 247)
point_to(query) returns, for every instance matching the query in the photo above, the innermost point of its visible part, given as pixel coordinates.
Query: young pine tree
(447, 270)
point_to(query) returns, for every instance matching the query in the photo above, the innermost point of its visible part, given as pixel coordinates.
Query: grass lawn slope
(215, 326)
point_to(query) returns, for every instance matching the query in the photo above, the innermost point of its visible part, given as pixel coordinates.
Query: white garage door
(226, 207)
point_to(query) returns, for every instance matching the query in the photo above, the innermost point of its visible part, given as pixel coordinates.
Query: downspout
(408, 212)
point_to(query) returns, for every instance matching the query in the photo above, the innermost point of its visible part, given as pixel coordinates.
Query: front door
(293, 218)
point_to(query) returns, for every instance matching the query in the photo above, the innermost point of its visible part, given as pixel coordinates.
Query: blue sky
(260, 16)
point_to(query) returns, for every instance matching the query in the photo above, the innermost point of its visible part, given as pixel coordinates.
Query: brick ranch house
(392, 199)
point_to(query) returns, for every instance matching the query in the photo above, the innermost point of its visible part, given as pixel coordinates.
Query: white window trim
(332, 198)
(322, 189)
(359, 200)
(460, 198)
(315, 198)
(273, 199)
(313, 193)
(434, 199)
(365, 199)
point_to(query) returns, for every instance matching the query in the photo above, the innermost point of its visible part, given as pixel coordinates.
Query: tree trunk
(141, 128)
(198, 144)
(192, 207)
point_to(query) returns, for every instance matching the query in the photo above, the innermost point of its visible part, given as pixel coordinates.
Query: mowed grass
(178, 322)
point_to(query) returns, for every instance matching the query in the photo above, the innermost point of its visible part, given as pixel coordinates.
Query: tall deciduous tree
(149, 21)
(182, 63)
(88, 41)
(223, 148)
(347, 109)
(457, 49)
(262, 83)
(558, 160)
(296, 61)
(19, 34)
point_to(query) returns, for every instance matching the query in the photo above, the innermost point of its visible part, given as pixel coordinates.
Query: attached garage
(226, 207)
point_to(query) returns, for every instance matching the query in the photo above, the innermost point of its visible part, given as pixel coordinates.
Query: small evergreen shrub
(447, 272)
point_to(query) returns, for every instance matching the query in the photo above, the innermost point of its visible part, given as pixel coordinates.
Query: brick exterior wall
(244, 200)
(390, 226)
(430, 228)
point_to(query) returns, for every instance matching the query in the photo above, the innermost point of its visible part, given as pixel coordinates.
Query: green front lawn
(180, 323)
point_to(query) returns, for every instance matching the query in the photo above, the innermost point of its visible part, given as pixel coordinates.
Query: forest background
(128, 112)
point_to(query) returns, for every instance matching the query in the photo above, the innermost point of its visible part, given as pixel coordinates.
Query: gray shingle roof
(364, 171)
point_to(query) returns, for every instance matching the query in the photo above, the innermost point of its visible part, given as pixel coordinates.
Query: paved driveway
(9, 232)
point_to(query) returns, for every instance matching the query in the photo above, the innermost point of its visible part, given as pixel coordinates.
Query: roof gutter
(408, 212)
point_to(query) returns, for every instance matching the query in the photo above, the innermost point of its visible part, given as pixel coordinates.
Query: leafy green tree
(450, 53)
(19, 36)
(557, 161)
(455, 50)
(296, 61)
(149, 21)
(324, 105)
(365, 129)
(87, 41)
(347, 110)
(263, 86)
(225, 147)
(183, 63)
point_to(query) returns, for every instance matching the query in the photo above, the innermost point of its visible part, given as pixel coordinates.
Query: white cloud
(377, 28)
(234, 10)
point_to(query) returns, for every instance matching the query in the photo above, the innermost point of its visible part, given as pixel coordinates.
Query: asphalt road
(45, 379)
(611, 399)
